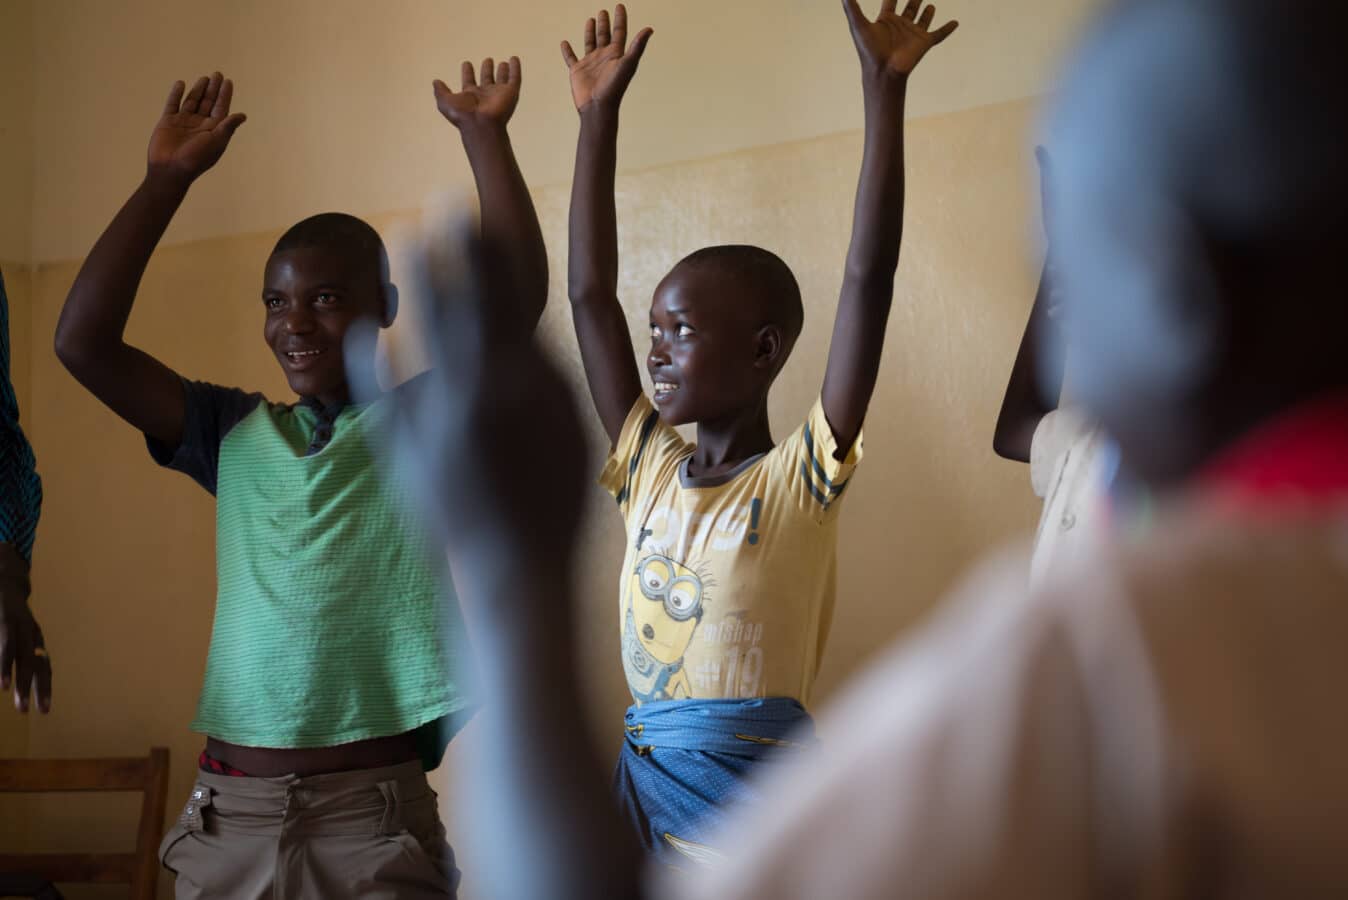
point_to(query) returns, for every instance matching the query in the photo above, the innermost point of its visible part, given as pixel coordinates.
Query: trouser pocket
(190, 820)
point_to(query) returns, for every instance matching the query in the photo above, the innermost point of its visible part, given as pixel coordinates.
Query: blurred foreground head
(1201, 188)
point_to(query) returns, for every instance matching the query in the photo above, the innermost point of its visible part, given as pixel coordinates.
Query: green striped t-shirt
(334, 622)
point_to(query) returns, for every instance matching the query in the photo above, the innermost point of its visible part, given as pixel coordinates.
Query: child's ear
(768, 347)
(388, 302)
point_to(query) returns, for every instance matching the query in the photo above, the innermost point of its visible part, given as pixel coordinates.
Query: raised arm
(598, 81)
(1027, 400)
(480, 110)
(1033, 390)
(546, 824)
(192, 134)
(889, 48)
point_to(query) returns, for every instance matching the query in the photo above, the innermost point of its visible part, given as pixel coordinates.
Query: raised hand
(489, 98)
(467, 430)
(194, 130)
(603, 74)
(24, 663)
(894, 44)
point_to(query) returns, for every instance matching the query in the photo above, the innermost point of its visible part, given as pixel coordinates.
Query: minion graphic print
(727, 587)
(663, 612)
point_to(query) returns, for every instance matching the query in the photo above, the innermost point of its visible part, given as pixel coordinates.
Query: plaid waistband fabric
(208, 763)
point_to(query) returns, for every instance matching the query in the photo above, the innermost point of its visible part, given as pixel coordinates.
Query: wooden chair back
(147, 775)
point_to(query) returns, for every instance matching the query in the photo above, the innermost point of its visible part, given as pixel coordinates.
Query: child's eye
(655, 332)
(273, 302)
(327, 299)
(684, 330)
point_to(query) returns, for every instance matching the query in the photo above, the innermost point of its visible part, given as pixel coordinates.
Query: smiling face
(312, 296)
(707, 358)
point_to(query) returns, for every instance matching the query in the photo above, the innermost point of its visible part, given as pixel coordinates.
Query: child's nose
(299, 321)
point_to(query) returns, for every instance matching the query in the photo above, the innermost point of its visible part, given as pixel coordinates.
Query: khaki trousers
(373, 833)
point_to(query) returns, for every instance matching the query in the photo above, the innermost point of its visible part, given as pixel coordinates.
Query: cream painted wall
(341, 115)
(16, 130)
(134, 575)
(16, 183)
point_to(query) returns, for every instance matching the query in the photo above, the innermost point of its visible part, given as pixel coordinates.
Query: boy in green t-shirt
(329, 687)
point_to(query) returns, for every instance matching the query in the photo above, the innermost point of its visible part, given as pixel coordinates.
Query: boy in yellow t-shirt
(728, 580)
(724, 577)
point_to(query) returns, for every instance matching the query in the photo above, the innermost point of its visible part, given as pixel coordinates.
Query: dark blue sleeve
(20, 486)
(210, 411)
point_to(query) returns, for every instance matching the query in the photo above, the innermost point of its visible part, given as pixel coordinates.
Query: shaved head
(350, 236)
(758, 277)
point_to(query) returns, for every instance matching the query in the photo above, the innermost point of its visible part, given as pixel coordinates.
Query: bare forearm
(554, 798)
(1026, 402)
(593, 257)
(89, 341)
(509, 219)
(877, 214)
(601, 326)
(99, 303)
(873, 255)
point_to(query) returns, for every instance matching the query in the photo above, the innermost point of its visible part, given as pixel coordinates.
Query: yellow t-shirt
(726, 591)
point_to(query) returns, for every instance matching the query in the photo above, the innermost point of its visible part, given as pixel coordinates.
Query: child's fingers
(487, 73)
(909, 10)
(208, 99)
(855, 17)
(589, 36)
(639, 43)
(467, 77)
(568, 55)
(944, 32)
(42, 684)
(361, 341)
(175, 98)
(602, 34)
(23, 680)
(503, 72)
(8, 640)
(194, 95)
(230, 125)
(620, 25)
(222, 102)
(927, 15)
(451, 275)
(41, 671)
(514, 72)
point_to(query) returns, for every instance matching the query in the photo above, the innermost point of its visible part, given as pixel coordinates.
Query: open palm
(603, 73)
(895, 43)
(489, 97)
(194, 131)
